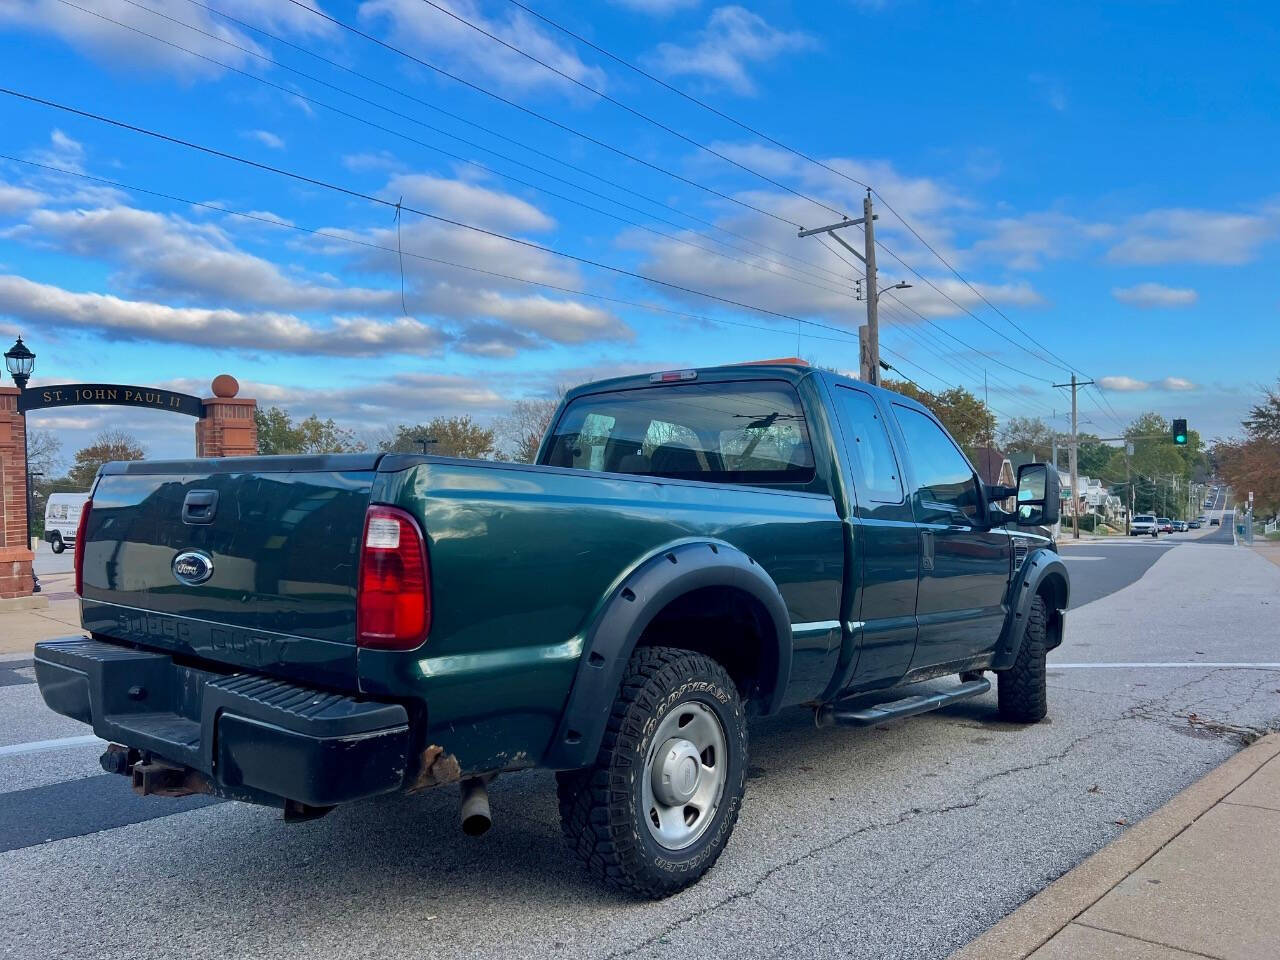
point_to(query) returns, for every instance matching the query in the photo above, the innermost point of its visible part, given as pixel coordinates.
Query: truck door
(881, 579)
(964, 566)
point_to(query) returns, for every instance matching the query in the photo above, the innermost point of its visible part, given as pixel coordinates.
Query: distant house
(994, 467)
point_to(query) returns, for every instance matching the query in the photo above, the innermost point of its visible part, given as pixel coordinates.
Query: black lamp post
(21, 362)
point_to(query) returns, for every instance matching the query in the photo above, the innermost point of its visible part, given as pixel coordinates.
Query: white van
(61, 518)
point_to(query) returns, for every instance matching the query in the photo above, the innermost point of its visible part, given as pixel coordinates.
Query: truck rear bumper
(251, 737)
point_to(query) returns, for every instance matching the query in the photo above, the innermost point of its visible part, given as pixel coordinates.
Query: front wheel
(57, 544)
(656, 810)
(1023, 693)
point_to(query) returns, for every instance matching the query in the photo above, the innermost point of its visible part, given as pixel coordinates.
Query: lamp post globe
(20, 362)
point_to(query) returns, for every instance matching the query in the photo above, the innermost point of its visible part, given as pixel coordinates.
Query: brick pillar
(15, 550)
(228, 428)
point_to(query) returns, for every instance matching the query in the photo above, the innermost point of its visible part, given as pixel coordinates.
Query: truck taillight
(81, 526)
(393, 600)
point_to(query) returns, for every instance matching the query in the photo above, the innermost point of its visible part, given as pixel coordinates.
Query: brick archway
(225, 428)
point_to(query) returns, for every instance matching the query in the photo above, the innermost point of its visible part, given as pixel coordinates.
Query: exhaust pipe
(475, 807)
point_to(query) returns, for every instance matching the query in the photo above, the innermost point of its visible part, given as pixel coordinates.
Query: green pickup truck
(691, 549)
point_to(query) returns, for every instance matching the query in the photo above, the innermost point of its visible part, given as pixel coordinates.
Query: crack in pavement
(913, 814)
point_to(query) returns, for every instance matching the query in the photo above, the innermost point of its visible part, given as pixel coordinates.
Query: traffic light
(1180, 432)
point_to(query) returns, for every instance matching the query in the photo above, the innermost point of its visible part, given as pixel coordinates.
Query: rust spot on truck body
(434, 768)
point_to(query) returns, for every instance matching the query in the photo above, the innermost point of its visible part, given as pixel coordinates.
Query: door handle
(199, 506)
(926, 549)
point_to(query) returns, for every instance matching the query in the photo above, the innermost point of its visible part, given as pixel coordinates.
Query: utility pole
(870, 359)
(1074, 452)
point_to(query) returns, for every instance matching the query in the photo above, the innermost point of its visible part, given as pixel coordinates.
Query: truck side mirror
(1039, 495)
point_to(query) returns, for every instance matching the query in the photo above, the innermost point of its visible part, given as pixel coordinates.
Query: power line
(449, 221)
(491, 132)
(688, 96)
(783, 146)
(541, 116)
(421, 143)
(631, 110)
(368, 244)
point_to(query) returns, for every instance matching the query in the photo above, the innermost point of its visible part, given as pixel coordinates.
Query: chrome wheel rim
(684, 775)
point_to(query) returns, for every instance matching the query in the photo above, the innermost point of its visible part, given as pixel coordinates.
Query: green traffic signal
(1180, 432)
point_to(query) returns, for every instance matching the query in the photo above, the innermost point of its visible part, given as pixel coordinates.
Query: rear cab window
(750, 431)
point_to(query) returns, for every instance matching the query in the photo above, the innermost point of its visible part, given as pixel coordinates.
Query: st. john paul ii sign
(116, 394)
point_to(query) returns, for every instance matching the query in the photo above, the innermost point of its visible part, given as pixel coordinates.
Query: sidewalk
(20, 629)
(1269, 549)
(1198, 878)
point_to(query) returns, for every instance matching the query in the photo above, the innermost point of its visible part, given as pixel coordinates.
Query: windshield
(1144, 518)
(743, 432)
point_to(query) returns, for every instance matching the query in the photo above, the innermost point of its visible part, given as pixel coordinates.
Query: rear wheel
(1023, 693)
(658, 807)
(57, 544)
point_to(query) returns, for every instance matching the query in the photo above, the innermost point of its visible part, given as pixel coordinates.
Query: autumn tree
(107, 446)
(443, 436)
(278, 434)
(1253, 463)
(520, 432)
(967, 419)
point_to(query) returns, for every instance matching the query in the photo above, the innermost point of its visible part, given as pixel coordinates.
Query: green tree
(107, 446)
(278, 434)
(442, 436)
(966, 418)
(1027, 435)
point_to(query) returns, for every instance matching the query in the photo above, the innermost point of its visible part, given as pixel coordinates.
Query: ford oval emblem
(192, 568)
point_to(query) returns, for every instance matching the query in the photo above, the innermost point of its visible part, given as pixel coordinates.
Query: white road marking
(1174, 665)
(40, 746)
(1085, 558)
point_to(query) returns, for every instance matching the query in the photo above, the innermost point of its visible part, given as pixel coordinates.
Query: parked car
(1194, 524)
(1166, 525)
(61, 518)
(1202, 518)
(1144, 524)
(690, 548)
(1180, 526)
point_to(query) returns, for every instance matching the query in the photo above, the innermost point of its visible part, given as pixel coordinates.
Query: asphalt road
(902, 840)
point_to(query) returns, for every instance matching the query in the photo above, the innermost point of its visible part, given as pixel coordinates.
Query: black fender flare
(635, 599)
(1042, 567)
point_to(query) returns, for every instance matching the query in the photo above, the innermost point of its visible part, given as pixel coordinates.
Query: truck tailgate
(251, 563)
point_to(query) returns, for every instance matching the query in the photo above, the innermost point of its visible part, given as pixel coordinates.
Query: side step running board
(906, 707)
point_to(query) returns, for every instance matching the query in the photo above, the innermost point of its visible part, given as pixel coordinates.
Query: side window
(943, 475)
(876, 476)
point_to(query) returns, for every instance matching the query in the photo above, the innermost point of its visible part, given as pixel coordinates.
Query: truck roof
(791, 370)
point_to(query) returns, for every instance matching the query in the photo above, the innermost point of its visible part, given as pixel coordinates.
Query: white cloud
(1051, 90)
(14, 199)
(468, 202)
(265, 137)
(1194, 236)
(1149, 295)
(1177, 384)
(422, 28)
(1122, 384)
(164, 254)
(221, 328)
(723, 51)
(126, 50)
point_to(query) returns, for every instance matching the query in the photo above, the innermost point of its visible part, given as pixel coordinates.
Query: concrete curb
(1033, 924)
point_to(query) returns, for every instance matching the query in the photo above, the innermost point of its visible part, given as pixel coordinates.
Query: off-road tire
(1022, 690)
(600, 807)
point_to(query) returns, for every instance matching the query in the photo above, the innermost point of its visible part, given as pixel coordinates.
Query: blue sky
(1104, 176)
